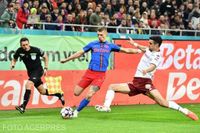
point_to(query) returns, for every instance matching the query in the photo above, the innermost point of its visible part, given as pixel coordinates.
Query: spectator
(105, 20)
(113, 22)
(198, 29)
(60, 23)
(33, 19)
(167, 7)
(95, 19)
(49, 20)
(69, 21)
(8, 17)
(22, 16)
(144, 19)
(114, 5)
(17, 6)
(80, 19)
(153, 19)
(109, 10)
(43, 13)
(194, 16)
(122, 27)
(55, 14)
(3, 5)
(191, 32)
(36, 4)
(186, 14)
(144, 7)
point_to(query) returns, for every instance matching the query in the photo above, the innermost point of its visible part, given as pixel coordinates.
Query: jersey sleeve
(16, 55)
(115, 47)
(41, 52)
(87, 47)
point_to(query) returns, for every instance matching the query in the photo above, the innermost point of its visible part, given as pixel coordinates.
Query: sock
(83, 104)
(109, 97)
(26, 98)
(175, 106)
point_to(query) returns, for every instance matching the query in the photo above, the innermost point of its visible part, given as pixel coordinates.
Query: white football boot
(102, 108)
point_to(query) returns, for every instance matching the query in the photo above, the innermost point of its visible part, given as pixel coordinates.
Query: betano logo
(14, 96)
(180, 58)
(180, 84)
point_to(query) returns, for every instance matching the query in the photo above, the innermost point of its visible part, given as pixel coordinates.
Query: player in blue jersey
(95, 75)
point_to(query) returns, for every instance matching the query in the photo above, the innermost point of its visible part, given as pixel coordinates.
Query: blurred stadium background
(61, 27)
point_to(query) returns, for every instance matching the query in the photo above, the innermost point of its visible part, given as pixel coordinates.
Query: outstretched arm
(142, 48)
(130, 50)
(74, 56)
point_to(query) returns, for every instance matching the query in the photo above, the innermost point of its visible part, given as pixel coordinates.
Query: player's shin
(109, 97)
(26, 97)
(58, 94)
(83, 104)
(175, 106)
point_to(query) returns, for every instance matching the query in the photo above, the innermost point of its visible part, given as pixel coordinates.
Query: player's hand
(144, 72)
(62, 61)
(45, 72)
(132, 42)
(12, 67)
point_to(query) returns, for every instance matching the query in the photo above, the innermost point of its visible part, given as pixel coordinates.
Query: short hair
(23, 39)
(156, 39)
(100, 29)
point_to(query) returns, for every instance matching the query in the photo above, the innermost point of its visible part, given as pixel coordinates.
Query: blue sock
(83, 104)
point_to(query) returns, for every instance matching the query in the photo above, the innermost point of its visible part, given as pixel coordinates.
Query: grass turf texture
(122, 119)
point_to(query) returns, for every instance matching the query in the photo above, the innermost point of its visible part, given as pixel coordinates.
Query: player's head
(24, 43)
(155, 42)
(102, 33)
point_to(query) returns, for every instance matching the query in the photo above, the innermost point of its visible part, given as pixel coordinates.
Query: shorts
(35, 77)
(140, 85)
(94, 78)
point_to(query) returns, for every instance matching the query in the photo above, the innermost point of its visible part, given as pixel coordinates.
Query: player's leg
(118, 88)
(78, 90)
(84, 83)
(44, 91)
(92, 91)
(156, 96)
(95, 79)
(27, 94)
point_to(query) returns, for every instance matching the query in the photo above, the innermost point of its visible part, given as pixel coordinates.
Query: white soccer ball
(66, 112)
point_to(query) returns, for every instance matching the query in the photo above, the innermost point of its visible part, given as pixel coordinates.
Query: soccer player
(31, 57)
(95, 75)
(142, 82)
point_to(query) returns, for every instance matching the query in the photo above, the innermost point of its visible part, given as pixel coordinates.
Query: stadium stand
(160, 17)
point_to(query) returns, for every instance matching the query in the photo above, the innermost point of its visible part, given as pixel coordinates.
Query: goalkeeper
(31, 57)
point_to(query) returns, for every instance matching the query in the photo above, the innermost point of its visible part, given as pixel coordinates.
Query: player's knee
(163, 103)
(29, 85)
(76, 93)
(112, 87)
(41, 92)
(89, 95)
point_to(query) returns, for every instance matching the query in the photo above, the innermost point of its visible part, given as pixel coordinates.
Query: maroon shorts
(140, 85)
(94, 78)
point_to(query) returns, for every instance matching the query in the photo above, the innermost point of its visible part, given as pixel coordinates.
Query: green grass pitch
(122, 119)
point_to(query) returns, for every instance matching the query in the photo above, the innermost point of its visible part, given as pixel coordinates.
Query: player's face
(151, 45)
(25, 45)
(102, 35)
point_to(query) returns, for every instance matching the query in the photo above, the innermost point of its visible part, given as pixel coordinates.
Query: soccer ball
(66, 112)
